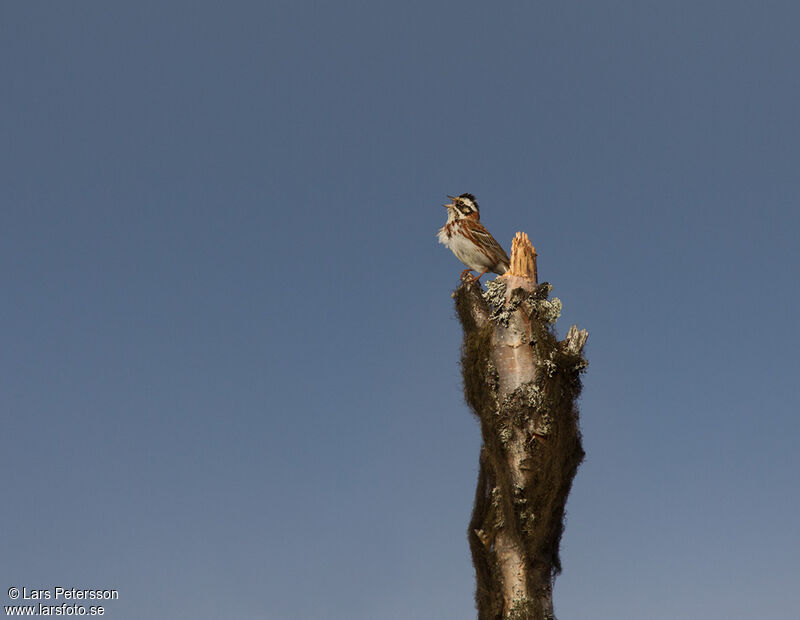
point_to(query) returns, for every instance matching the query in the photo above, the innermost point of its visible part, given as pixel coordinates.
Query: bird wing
(487, 244)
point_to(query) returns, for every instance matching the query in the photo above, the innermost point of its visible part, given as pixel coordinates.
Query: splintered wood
(523, 258)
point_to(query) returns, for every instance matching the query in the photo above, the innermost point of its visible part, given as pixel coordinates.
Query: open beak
(452, 204)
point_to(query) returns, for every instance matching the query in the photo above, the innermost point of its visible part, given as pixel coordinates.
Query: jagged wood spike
(523, 258)
(575, 340)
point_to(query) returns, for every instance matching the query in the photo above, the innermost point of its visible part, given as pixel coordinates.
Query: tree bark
(522, 384)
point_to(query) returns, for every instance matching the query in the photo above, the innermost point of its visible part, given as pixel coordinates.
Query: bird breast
(464, 248)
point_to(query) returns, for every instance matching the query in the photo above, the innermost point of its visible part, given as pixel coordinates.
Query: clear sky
(229, 380)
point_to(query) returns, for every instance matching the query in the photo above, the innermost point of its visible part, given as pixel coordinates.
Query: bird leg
(481, 273)
(468, 277)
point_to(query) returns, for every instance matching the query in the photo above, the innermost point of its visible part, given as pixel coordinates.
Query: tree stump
(522, 384)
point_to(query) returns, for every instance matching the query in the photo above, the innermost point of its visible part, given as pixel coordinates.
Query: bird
(472, 244)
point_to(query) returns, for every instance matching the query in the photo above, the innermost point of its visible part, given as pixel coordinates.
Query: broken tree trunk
(522, 383)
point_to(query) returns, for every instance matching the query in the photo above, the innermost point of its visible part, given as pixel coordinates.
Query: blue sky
(229, 379)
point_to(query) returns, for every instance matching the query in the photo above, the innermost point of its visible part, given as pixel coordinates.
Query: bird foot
(466, 276)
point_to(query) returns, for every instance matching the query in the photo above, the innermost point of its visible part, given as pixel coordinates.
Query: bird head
(463, 206)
